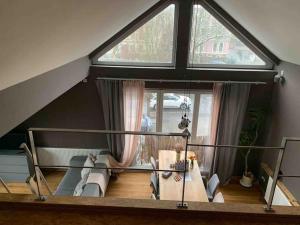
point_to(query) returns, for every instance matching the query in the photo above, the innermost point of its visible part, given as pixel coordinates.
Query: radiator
(61, 156)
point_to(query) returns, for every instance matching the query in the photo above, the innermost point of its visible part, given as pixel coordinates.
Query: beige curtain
(155, 143)
(133, 96)
(209, 152)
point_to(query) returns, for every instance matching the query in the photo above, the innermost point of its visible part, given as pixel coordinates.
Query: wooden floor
(130, 185)
(16, 188)
(136, 185)
(53, 178)
(235, 193)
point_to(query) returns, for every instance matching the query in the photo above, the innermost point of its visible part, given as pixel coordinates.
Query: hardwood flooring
(16, 188)
(136, 186)
(130, 185)
(53, 178)
(235, 193)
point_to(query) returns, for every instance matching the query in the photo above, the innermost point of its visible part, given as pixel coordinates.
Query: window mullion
(195, 116)
(159, 110)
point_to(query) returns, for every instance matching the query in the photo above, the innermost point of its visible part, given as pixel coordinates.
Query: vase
(247, 181)
(192, 164)
(177, 156)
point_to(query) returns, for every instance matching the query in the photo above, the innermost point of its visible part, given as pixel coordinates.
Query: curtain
(209, 152)
(155, 143)
(233, 106)
(133, 96)
(111, 95)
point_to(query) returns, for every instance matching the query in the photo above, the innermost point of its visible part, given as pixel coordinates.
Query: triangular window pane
(152, 43)
(213, 44)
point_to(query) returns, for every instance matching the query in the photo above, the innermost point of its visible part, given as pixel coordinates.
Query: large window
(149, 111)
(204, 116)
(176, 104)
(213, 44)
(163, 111)
(152, 43)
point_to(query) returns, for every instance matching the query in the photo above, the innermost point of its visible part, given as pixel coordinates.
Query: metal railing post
(276, 173)
(183, 204)
(45, 181)
(36, 169)
(4, 185)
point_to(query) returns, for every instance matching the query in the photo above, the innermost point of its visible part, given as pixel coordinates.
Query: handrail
(4, 185)
(185, 134)
(235, 146)
(25, 147)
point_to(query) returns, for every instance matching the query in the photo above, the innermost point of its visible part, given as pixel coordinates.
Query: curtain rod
(188, 81)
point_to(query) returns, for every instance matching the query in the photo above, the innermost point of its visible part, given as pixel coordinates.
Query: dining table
(171, 188)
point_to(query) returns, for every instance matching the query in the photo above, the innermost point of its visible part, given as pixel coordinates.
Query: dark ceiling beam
(222, 15)
(184, 13)
(135, 24)
(177, 74)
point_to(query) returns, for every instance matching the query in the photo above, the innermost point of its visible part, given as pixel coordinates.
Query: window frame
(180, 65)
(196, 107)
(268, 64)
(135, 28)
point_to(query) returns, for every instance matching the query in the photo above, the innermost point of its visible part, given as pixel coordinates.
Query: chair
(153, 162)
(204, 180)
(219, 198)
(154, 184)
(212, 186)
(153, 196)
(154, 165)
(154, 178)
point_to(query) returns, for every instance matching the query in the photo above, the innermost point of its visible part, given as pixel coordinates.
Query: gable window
(213, 42)
(150, 44)
(215, 47)
(220, 46)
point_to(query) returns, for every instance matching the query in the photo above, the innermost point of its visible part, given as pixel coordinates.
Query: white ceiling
(39, 35)
(275, 23)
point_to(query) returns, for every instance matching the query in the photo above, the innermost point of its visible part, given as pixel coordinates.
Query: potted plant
(249, 137)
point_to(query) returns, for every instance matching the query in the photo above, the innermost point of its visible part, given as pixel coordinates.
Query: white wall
(275, 23)
(37, 36)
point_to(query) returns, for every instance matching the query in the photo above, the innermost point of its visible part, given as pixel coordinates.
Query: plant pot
(247, 180)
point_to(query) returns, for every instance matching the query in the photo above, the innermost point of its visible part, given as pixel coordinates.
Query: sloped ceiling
(39, 35)
(275, 23)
